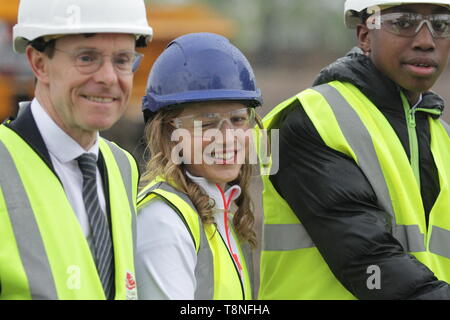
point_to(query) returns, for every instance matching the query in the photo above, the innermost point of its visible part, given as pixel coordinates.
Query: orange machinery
(167, 21)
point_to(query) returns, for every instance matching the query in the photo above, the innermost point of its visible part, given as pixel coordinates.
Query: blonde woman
(195, 217)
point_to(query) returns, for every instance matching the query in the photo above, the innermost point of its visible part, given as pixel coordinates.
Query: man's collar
(54, 137)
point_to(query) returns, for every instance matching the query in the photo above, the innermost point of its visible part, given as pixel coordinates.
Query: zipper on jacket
(410, 114)
(236, 263)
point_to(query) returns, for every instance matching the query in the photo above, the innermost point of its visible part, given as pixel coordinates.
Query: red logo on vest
(131, 284)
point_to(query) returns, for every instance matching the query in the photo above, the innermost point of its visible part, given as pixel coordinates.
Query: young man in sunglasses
(360, 207)
(67, 196)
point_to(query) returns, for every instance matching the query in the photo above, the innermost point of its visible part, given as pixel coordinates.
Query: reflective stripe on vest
(204, 272)
(48, 255)
(440, 242)
(204, 269)
(285, 237)
(357, 136)
(26, 231)
(127, 177)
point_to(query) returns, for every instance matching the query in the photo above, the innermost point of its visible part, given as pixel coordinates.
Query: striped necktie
(103, 252)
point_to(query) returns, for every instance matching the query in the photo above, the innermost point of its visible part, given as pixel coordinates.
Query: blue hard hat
(200, 67)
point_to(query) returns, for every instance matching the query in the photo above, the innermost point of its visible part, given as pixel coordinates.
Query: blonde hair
(158, 136)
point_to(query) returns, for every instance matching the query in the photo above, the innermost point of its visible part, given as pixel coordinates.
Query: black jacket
(335, 202)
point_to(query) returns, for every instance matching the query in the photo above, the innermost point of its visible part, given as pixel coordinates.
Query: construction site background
(287, 41)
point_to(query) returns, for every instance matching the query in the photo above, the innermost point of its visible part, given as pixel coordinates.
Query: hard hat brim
(29, 32)
(202, 96)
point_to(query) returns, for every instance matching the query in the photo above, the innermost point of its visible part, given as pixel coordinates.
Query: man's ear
(364, 36)
(39, 63)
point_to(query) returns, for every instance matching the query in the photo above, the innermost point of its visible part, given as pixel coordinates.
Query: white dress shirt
(166, 256)
(63, 152)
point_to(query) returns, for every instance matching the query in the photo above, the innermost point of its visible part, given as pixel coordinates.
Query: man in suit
(67, 196)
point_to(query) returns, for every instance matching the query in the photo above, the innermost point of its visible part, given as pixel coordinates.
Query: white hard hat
(354, 7)
(38, 18)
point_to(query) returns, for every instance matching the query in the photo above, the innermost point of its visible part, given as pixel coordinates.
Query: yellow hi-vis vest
(43, 251)
(216, 273)
(347, 121)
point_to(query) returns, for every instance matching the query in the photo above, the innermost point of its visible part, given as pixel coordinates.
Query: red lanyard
(226, 205)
